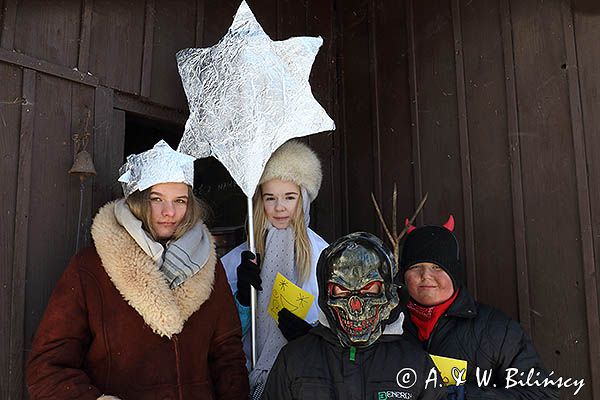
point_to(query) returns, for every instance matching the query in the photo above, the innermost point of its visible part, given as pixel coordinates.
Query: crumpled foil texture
(247, 96)
(160, 164)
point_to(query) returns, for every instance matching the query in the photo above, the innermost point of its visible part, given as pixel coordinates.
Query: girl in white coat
(290, 182)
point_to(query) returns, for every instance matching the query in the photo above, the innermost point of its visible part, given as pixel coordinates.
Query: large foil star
(247, 96)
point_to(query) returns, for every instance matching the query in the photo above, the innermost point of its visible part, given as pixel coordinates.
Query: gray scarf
(183, 257)
(186, 256)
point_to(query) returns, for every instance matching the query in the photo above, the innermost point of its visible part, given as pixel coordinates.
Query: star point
(247, 96)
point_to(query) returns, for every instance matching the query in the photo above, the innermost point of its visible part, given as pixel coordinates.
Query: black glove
(291, 325)
(455, 392)
(248, 273)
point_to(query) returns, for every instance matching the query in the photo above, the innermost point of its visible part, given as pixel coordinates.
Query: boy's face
(428, 284)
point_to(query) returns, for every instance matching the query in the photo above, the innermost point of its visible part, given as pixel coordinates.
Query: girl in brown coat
(146, 313)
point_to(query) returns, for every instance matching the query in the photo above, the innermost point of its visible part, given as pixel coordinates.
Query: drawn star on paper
(302, 300)
(283, 285)
(247, 96)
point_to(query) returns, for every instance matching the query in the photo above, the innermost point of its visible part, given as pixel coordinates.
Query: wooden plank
(111, 23)
(10, 115)
(9, 23)
(291, 18)
(359, 150)
(173, 31)
(149, 18)
(583, 202)
(84, 36)
(550, 189)
(82, 103)
(515, 168)
(25, 61)
(199, 23)
(22, 214)
(587, 28)
(218, 16)
(486, 103)
(438, 120)
(52, 34)
(391, 51)
(52, 242)
(109, 139)
(414, 108)
(136, 105)
(325, 210)
(376, 160)
(266, 12)
(469, 258)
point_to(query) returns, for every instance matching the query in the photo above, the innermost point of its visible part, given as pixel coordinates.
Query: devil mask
(357, 292)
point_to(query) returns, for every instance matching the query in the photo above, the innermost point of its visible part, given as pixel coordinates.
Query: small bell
(83, 165)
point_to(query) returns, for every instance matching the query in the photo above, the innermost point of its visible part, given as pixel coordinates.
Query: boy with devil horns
(445, 320)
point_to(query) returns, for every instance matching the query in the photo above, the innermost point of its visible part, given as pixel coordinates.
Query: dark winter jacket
(113, 327)
(489, 341)
(317, 367)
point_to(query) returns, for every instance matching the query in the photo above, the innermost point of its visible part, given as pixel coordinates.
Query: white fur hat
(295, 162)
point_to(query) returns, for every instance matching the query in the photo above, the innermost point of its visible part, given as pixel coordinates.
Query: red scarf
(425, 318)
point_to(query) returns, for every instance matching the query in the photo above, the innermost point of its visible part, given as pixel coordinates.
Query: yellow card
(286, 294)
(452, 370)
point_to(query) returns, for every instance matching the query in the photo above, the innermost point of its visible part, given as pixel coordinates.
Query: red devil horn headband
(409, 226)
(449, 224)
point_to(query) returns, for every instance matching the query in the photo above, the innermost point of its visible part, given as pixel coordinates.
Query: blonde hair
(302, 250)
(139, 204)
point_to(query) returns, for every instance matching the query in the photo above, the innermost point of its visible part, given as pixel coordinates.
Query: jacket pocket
(306, 389)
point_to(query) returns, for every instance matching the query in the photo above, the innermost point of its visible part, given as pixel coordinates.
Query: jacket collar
(464, 305)
(135, 275)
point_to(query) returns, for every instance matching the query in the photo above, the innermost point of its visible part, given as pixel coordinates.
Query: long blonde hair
(302, 250)
(139, 204)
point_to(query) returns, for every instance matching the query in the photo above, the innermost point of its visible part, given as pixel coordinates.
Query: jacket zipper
(177, 366)
(436, 328)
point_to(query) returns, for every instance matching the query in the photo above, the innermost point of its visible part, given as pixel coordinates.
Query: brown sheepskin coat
(114, 329)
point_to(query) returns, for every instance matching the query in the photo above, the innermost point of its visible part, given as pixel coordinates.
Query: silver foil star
(247, 96)
(160, 164)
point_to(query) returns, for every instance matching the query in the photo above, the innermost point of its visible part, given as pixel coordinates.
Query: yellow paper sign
(287, 295)
(453, 370)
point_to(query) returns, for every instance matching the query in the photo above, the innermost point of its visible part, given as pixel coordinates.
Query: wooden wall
(489, 106)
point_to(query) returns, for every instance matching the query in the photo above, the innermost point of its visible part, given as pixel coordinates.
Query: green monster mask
(357, 292)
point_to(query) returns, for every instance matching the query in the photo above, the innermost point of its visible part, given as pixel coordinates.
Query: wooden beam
(590, 277)
(375, 111)
(516, 175)
(465, 158)
(84, 36)
(106, 149)
(146, 83)
(199, 23)
(25, 61)
(17, 317)
(133, 104)
(414, 108)
(9, 23)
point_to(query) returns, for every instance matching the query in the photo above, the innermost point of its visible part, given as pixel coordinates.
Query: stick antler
(393, 236)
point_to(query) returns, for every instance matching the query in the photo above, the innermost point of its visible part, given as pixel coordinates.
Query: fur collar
(141, 284)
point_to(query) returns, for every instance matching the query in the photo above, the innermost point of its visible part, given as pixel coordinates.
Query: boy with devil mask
(356, 351)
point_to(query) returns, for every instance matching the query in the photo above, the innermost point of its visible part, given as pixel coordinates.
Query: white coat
(232, 259)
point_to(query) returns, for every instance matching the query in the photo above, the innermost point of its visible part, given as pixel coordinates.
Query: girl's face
(168, 205)
(280, 199)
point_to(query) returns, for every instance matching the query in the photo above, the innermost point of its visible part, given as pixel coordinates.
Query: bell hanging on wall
(83, 165)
